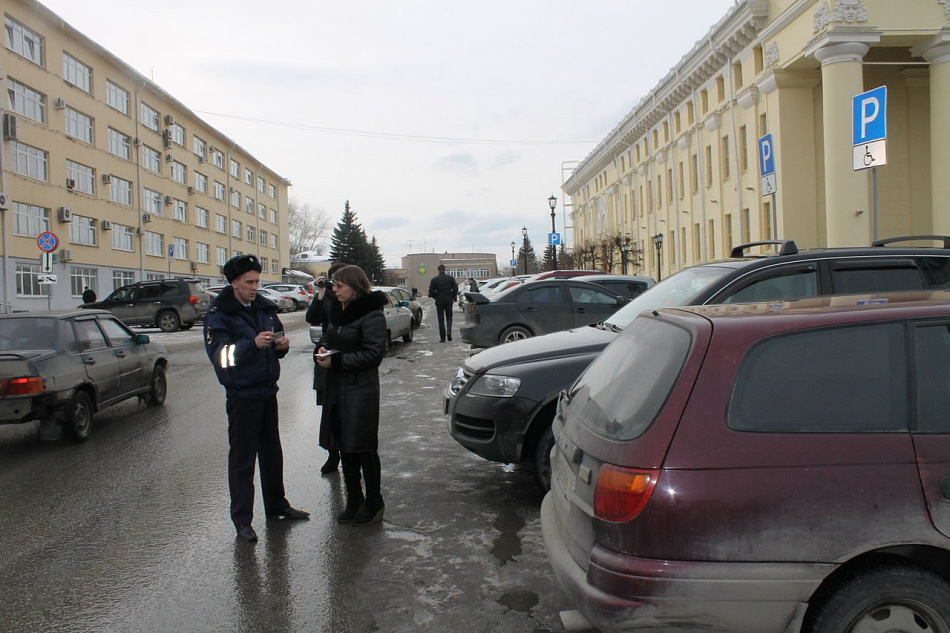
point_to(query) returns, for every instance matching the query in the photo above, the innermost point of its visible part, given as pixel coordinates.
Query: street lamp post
(658, 241)
(625, 253)
(524, 255)
(513, 263)
(552, 202)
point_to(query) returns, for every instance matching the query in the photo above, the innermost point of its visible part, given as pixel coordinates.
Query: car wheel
(418, 320)
(389, 340)
(542, 458)
(407, 337)
(156, 397)
(295, 306)
(168, 321)
(81, 415)
(187, 326)
(898, 598)
(514, 333)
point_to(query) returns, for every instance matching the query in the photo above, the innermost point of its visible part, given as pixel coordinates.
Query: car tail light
(192, 299)
(621, 493)
(21, 386)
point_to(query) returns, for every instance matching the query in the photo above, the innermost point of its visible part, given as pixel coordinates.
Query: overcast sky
(445, 123)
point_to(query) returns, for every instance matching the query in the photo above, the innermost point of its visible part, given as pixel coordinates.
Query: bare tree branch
(308, 226)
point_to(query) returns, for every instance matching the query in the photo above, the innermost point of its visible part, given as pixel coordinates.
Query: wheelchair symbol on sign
(868, 156)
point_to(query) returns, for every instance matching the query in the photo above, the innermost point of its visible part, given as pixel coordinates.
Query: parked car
(502, 400)
(628, 286)
(535, 308)
(560, 274)
(284, 303)
(764, 468)
(401, 294)
(299, 296)
(399, 320)
(170, 304)
(62, 367)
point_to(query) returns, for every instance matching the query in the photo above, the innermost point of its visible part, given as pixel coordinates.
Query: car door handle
(88, 360)
(529, 309)
(120, 353)
(945, 487)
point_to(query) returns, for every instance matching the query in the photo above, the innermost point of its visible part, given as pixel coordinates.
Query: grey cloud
(460, 163)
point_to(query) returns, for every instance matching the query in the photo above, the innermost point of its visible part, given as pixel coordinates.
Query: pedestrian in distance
(318, 314)
(351, 350)
(88, 295)
(444, 290)
(472, 285)
(245, 341)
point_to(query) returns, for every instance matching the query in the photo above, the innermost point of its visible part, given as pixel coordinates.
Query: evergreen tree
(526, 254)
(376, 264)
(349, 240)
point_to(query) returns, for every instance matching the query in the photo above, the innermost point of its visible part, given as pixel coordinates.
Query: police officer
(244, 340)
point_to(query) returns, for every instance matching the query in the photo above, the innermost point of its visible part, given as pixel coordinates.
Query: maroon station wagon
(759, 468)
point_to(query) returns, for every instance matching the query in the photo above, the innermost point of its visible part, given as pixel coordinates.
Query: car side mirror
(403, 304)
(142, 339)
(621, 301)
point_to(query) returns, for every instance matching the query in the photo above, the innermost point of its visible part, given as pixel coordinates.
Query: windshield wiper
(610, 326)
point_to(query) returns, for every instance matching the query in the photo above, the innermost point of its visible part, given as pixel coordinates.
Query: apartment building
(679, 176)
(132, 183)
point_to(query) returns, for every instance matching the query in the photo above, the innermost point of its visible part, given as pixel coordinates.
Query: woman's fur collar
(357, 308)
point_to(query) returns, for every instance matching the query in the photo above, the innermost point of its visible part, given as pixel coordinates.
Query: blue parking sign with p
(766, 156)
(869, 116)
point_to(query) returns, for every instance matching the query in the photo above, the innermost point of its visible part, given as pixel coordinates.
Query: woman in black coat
(351, 350)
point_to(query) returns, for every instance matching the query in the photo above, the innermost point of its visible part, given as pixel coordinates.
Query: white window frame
(82, 230)
(218, 191)
(154, 244)
(178, 134)
(201, 217)
(83, 175)
(178, 172)
(235, 169)
(29, 161)
(78, 125)
(220, 224)
(120, 190)
(150, 118)
(201, 182)
(202, 252)
(24, 42)
(181, 247)
(26, 101)
(77, 73)
(120, 144)
(152, 201)
(117, 97)
(151, 159)
(27, 281)
(123, 238)
(180, 210)
(221, 255)
(30, 220)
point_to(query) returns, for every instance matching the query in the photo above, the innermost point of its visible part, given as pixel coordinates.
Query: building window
(669, 186)
(724, 165)
(154, 244)
(273, 240)
(198, 146)
(743, 149)
(709, 177)
(150, 118)
(29, 220)
(264, 262)
(236, 199)
(218, 157)
(235, 169)
(727, 233)
(250, 233)
(81, 278)
(711, 239)
(29, 161)
(201, 183)
(261, 211)
(681, 185)
(23, 41)
(697, 242)
(273, 216)
(181, 247)
(272, 191)
(78, 126)
(745, 230)
(25, 101)
(201, 217)
(220, 223)
(151, 159)
(273, 265)
(235, 229)
(122, 238)
(83, 175)
(248, 177)
(220, 255)
(153, 202)
(178, 172)
(82, 230)
(122, 278)
(248, 204)
(117, 97)
(218, 191)
(120, 191)
(260, 184)
(27, 281)
(77, 73)
(766, 220)
(262, 238)
(201, 254)
(180, 208)
(120, 144)
(178, 134)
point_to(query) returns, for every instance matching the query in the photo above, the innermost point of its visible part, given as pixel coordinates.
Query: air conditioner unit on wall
(194, 266)
(106, 179)
(4, 202)
(167, 143)
(168, 201)
(169, 119)
(65, 214)
(191, 190)
(137, 141)
(139, 231)
(146, 217)
(9, 126)
(70, 183)
(59, 104)
(107, 225)
(66, 255)
(168, 158)
(201, 159)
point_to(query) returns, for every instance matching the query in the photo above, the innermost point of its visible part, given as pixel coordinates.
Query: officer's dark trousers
(444, 313)
(253, 435)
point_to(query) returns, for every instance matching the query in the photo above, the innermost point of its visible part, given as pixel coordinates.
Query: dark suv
(170, 304)
(775, 467)
(502, 400)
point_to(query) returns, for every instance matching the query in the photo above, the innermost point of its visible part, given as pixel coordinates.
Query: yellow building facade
(684, 163)
(132, 183)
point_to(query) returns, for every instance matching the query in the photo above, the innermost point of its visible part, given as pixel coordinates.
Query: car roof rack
(786, 247)
(911, 238)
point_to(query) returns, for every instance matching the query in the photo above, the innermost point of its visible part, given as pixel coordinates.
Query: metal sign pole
(774, 217)
(873, 204)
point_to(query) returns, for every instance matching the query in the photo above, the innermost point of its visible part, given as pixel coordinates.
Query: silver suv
(170, 304)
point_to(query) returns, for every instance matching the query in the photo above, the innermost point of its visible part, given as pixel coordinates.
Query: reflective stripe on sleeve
(226, 356)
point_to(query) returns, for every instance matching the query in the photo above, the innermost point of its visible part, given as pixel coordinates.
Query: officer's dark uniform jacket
(245, 370)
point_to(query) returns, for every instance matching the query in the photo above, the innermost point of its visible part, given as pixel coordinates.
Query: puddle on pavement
(520, 601)
(508, 544)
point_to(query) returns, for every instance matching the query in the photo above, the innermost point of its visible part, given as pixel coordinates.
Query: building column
(846, 192)
(937, 51)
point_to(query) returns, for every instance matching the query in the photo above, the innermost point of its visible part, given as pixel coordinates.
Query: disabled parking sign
(869, 129)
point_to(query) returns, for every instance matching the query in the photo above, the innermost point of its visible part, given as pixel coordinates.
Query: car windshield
(679, 290)
(622, 391)
(27, 333)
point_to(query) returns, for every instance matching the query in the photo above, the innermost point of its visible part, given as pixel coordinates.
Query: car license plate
(565, 476)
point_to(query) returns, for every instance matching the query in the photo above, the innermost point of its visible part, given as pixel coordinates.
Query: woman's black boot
(329, 466)
(354, 497)
(370, 512)
(372, 509)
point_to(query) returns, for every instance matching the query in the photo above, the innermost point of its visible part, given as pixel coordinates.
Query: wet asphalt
(130, 531)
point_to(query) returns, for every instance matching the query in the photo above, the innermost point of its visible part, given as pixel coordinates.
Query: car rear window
(622, 391)
(837, 380)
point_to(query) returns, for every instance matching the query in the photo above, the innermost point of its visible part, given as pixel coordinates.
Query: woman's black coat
(350, 417)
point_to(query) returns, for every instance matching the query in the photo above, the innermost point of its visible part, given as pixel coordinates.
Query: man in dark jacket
(444, 290)
(245, 339)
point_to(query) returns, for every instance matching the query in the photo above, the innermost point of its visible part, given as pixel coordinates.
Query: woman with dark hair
(351, 350)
